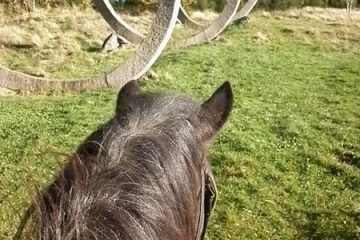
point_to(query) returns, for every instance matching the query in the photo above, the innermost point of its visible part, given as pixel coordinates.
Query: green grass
(287, 164)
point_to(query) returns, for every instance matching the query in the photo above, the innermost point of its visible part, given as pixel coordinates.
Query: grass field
(287, 164)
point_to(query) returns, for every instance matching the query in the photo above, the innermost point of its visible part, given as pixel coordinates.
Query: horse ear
(129, 90)
(215, 111)
(126, 93)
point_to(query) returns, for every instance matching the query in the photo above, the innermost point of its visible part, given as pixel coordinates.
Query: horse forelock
(142, 182)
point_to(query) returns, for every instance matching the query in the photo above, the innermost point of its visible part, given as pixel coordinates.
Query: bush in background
(276, 4)
(285, 4)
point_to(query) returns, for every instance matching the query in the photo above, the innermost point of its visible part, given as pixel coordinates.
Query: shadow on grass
(93, 49)
(315, 227)
(350, 179)
(349, 158)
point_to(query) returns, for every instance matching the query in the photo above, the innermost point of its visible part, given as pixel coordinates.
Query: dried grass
(43, 41)
(322, 14)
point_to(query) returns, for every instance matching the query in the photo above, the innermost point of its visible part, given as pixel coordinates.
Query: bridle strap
(207, 201)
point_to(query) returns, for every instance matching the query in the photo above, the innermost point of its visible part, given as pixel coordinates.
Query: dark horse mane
(136, 177)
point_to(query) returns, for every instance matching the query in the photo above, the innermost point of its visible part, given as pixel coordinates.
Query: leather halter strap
(207, 201)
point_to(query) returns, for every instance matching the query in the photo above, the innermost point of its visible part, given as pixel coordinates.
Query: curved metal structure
(184, 18)
(245, 10)
(117, 23)
(215, 28)
(152, 46)
(147, 53)
(149, 50)
(18, 81)
(206, 34)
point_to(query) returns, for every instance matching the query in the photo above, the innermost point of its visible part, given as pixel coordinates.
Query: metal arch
(184, 18)
(206, 33)
(215, 28)
(150, 49)
(147, 53)
(117, 23)
(245, 10)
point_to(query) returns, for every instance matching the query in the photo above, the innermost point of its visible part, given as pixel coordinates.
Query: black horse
(142, 175)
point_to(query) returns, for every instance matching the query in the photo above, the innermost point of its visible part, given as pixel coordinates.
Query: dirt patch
(261, 38)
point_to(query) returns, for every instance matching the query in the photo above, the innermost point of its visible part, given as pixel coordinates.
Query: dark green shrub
(216, 5)
(284, 4)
